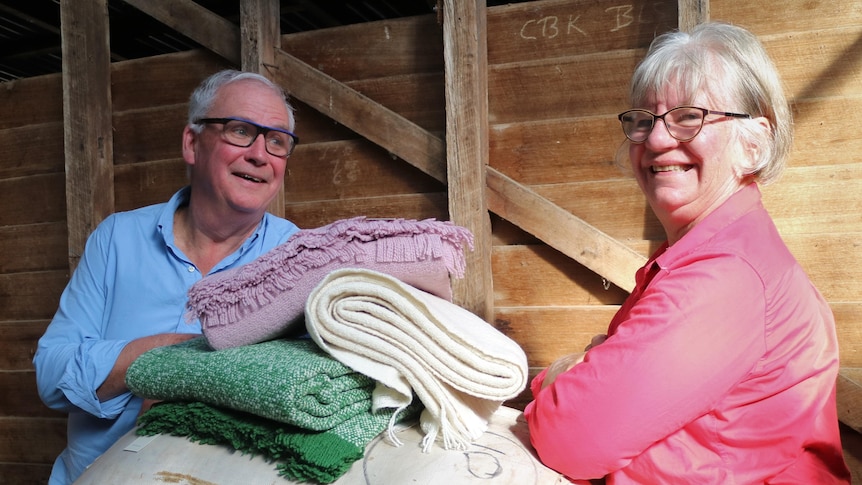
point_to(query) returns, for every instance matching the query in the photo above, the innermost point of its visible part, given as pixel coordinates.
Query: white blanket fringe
(412, 342)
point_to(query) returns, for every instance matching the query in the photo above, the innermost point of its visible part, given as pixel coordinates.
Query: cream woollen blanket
(409, 341)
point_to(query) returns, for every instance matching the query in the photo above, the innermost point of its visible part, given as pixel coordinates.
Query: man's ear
(189, 139)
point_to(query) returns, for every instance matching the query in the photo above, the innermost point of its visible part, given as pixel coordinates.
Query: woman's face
(685, 181)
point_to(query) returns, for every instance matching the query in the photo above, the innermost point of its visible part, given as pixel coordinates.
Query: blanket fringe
(226, 297)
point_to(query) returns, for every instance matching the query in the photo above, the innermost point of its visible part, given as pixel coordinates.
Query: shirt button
(191, 269)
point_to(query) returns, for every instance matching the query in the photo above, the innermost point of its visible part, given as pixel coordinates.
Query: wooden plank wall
(558, 71)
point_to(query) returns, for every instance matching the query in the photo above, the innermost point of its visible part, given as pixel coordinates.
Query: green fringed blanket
(284, 399)
(290, 381)
(301, 455)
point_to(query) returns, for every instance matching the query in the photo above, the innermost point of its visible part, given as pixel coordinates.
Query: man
(128, 294)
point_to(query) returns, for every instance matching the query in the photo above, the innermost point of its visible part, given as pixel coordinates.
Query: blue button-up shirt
(132, 282)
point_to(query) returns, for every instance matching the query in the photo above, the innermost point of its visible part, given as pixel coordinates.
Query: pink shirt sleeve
(688, 338)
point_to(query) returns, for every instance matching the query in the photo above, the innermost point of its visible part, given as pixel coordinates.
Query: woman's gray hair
(204, 95)
(720, 59)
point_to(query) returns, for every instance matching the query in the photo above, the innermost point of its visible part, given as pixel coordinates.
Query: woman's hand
(563, 364)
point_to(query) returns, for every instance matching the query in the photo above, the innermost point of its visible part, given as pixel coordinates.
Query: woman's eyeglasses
(683, 122)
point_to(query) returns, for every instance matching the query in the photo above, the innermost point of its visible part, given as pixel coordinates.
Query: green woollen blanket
(286, 400)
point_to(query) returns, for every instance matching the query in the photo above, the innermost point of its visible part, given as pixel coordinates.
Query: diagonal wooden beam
(379, 124)
(197, 23)
(563, 231)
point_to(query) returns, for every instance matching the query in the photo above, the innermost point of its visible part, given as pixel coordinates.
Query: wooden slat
(411, 206)
(819, 126)
(819, 63)
(31, 296)
(19, 206)
(140, 184)
(31, 101)
(849, 397)
(390, 130)
(847, 318)
(20, 398)
(563, 231)
(33, 247)
(538, 275)
(27, 473)
(31, 149)
(558, 151)
(386, 48)
(561, 88)
(88, 141)
(18, 339)
(18, 445)
(794, 16)
(351, 169)
(547, 333)
(160, 141)
(464, 24)
(167, 79)
(418, 97)
(196, 23)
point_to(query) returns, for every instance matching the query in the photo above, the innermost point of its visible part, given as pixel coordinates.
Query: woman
(720, 367)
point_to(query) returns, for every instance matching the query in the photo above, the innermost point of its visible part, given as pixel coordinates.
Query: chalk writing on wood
(345, 172)
(612, 19)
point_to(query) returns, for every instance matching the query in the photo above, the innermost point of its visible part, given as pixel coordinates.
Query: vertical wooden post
(692, 12)
(260, 37)
(465, 48)
(87, 135)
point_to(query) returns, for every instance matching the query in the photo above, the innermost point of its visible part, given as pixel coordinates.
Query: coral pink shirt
(719, 368)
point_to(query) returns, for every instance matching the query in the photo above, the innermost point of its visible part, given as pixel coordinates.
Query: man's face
(234, 178)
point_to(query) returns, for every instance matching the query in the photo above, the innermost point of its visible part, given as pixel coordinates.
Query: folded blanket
(265, 299)
(301, 455)
(291, 381)
(459, 366)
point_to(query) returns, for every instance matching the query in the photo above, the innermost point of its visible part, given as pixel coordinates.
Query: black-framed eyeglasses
(242, 133)
(682, 122)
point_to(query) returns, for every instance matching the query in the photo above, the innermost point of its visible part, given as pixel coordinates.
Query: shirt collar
(743, 201)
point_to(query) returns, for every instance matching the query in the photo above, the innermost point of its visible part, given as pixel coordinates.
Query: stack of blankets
(384, 344)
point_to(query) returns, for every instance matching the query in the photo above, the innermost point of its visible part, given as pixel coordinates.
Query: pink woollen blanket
(266, 298)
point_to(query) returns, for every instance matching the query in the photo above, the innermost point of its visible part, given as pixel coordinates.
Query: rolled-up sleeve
(72, 359)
